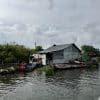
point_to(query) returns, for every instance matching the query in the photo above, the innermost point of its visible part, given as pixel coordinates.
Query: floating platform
(69, 66)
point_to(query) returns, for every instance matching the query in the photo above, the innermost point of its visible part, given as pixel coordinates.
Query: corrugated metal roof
(55, 48)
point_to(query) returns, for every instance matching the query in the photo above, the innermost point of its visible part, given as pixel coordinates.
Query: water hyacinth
(48, 70)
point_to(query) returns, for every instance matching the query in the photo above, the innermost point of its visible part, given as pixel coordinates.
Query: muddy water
(74, 84)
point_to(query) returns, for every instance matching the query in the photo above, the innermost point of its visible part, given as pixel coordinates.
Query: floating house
(59, 54)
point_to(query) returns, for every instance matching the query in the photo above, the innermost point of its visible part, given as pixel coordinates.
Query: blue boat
(31, 66)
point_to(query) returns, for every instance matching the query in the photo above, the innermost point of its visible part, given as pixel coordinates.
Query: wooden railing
(3, 66)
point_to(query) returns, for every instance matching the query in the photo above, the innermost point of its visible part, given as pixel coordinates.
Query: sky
(50, 22)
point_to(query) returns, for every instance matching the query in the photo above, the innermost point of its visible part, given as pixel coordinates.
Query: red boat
(22, 67)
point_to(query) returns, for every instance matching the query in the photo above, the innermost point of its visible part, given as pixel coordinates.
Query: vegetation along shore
(11, 55)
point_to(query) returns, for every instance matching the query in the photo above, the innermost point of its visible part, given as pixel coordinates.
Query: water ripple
(76, 84)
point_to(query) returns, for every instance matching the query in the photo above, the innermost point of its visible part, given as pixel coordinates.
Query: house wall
(58, 56)
(65, 55)
(71, 53)
(43, 59)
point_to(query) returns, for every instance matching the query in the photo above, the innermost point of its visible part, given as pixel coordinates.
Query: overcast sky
(50, 22)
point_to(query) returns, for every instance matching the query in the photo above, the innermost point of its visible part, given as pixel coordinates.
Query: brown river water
(74, 84)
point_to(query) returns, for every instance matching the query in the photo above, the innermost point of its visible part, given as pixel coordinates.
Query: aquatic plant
(48, 70)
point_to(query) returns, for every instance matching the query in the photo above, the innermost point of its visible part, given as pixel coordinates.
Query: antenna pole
(35, 44)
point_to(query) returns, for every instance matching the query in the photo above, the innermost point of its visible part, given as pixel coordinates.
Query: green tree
(89, 51)
(13, 53)
(39, 48)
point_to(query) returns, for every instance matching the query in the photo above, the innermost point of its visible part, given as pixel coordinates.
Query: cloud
(51, 4)
(50, 21)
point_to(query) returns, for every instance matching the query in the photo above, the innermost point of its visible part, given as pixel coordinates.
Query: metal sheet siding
(58, 56)
(71, 53)
(59, 61)
(63, 56)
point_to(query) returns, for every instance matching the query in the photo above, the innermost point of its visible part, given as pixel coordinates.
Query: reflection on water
(75, 84)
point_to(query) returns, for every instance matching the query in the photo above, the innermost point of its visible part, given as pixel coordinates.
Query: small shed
(38, 57)
(60, 54)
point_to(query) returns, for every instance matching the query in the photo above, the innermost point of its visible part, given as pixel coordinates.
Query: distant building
(59, 54)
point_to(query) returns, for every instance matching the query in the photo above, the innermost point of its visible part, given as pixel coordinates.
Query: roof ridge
(62, 44)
